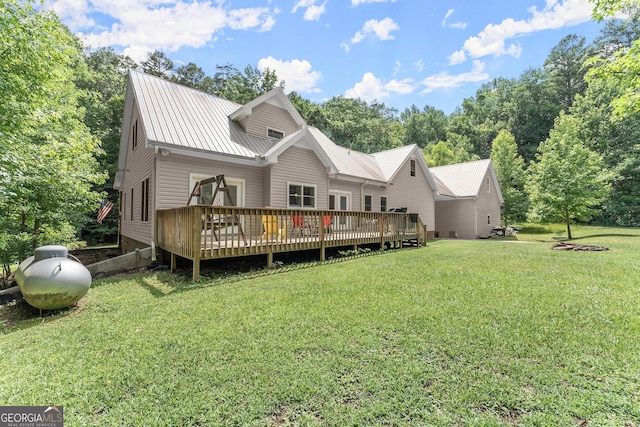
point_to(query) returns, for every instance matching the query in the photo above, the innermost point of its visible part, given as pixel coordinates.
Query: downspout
(366, 181)
(154, 223)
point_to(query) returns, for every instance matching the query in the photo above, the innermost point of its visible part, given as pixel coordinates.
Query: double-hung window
(302, 196)
(368, 203)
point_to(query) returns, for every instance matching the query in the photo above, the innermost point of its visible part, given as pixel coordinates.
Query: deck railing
(208, 232)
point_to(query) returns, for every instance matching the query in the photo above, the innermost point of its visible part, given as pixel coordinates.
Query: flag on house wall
(105, 208)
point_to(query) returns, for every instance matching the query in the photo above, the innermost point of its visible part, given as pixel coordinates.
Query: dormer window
(272, 133)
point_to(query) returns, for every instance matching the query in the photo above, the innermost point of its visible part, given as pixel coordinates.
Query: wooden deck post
(382, 226)
(321, 237)
(269, 259)
(197, 236)
(173, 262)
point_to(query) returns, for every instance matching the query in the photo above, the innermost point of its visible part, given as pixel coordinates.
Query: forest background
(564, 137)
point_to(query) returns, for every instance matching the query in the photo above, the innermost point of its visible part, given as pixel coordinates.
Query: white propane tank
(49, 280)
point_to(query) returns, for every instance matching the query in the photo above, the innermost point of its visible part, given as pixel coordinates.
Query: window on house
(131, 199)
(488, 185)
(383, 204)
(367, 202)
(332, 202)
(144, 212)
(123, 208)
(302, 196)
(413, 168)
(134, 133)
(488, 219)
(272, 133)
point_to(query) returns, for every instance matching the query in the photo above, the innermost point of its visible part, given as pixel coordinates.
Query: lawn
(486, 332)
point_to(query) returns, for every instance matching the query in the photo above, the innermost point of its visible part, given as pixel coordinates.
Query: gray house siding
(412, 192)
(488, 206)
(302, 166)
(457, 216)
(174, 172)
(139, 167)
(267, 116)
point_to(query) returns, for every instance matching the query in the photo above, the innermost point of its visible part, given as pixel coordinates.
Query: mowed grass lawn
(457, 333)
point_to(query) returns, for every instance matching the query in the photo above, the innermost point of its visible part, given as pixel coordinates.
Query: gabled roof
(392, 160)
(465, 179)
(183, 119)
(276, 97)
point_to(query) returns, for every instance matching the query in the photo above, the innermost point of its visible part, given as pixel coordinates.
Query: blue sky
(399, 52)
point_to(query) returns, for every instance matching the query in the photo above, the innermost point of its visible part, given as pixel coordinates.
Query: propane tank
(49, 280)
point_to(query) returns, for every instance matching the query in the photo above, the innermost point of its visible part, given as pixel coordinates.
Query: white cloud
(313, 11)
(446, 80)
(382, 29)
(457, 25)
(419, 65)
(493, 39)
(297, 74)
(457, 57)
(359, 2)
(146, 25)
(372, 88)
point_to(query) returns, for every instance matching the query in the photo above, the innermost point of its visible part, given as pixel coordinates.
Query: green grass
(485, 333)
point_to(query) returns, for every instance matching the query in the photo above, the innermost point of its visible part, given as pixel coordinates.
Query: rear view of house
(174, 136)
(468, 201)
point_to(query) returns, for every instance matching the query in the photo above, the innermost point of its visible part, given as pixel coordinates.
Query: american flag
(105, 208)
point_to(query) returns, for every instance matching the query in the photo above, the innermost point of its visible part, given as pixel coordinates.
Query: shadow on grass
(18, 314)
(605, 235)
(215, 274)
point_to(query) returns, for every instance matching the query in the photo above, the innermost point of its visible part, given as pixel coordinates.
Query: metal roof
(176, 116)
(465, 179)
(349, 162)
(187, 118)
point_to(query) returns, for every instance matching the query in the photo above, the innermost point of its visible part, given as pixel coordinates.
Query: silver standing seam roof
(464, 179)
(176, 116)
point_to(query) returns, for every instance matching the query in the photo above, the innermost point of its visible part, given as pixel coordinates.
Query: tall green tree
(355, 124)
(103, 84)
(568, 182)
(509, 167)
(617, 142)
(158, 64)
(242, 87)
(565, 66)
(625, 65)
(48, 162)
(423, 127)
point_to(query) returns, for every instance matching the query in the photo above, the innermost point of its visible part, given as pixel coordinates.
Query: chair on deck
(273, 227)
(300, 227)
(326, 223)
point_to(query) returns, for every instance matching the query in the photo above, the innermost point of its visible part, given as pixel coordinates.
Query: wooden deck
(205, 232)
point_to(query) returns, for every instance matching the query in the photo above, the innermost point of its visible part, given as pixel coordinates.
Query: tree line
(567, 127)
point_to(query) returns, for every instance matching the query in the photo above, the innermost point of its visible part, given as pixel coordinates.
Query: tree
(158, 64)
(103, 85)
(568, 181)
(229, 83)
(565, 67)
(47, 165)
(509, 167)
(624, 67)
(423, 127)
(617, 142)
(355, 124)
(190, 75)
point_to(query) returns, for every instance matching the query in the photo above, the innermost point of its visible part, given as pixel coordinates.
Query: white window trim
(269, 128)
(315, 195)
(488, 219)
(386, 203)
